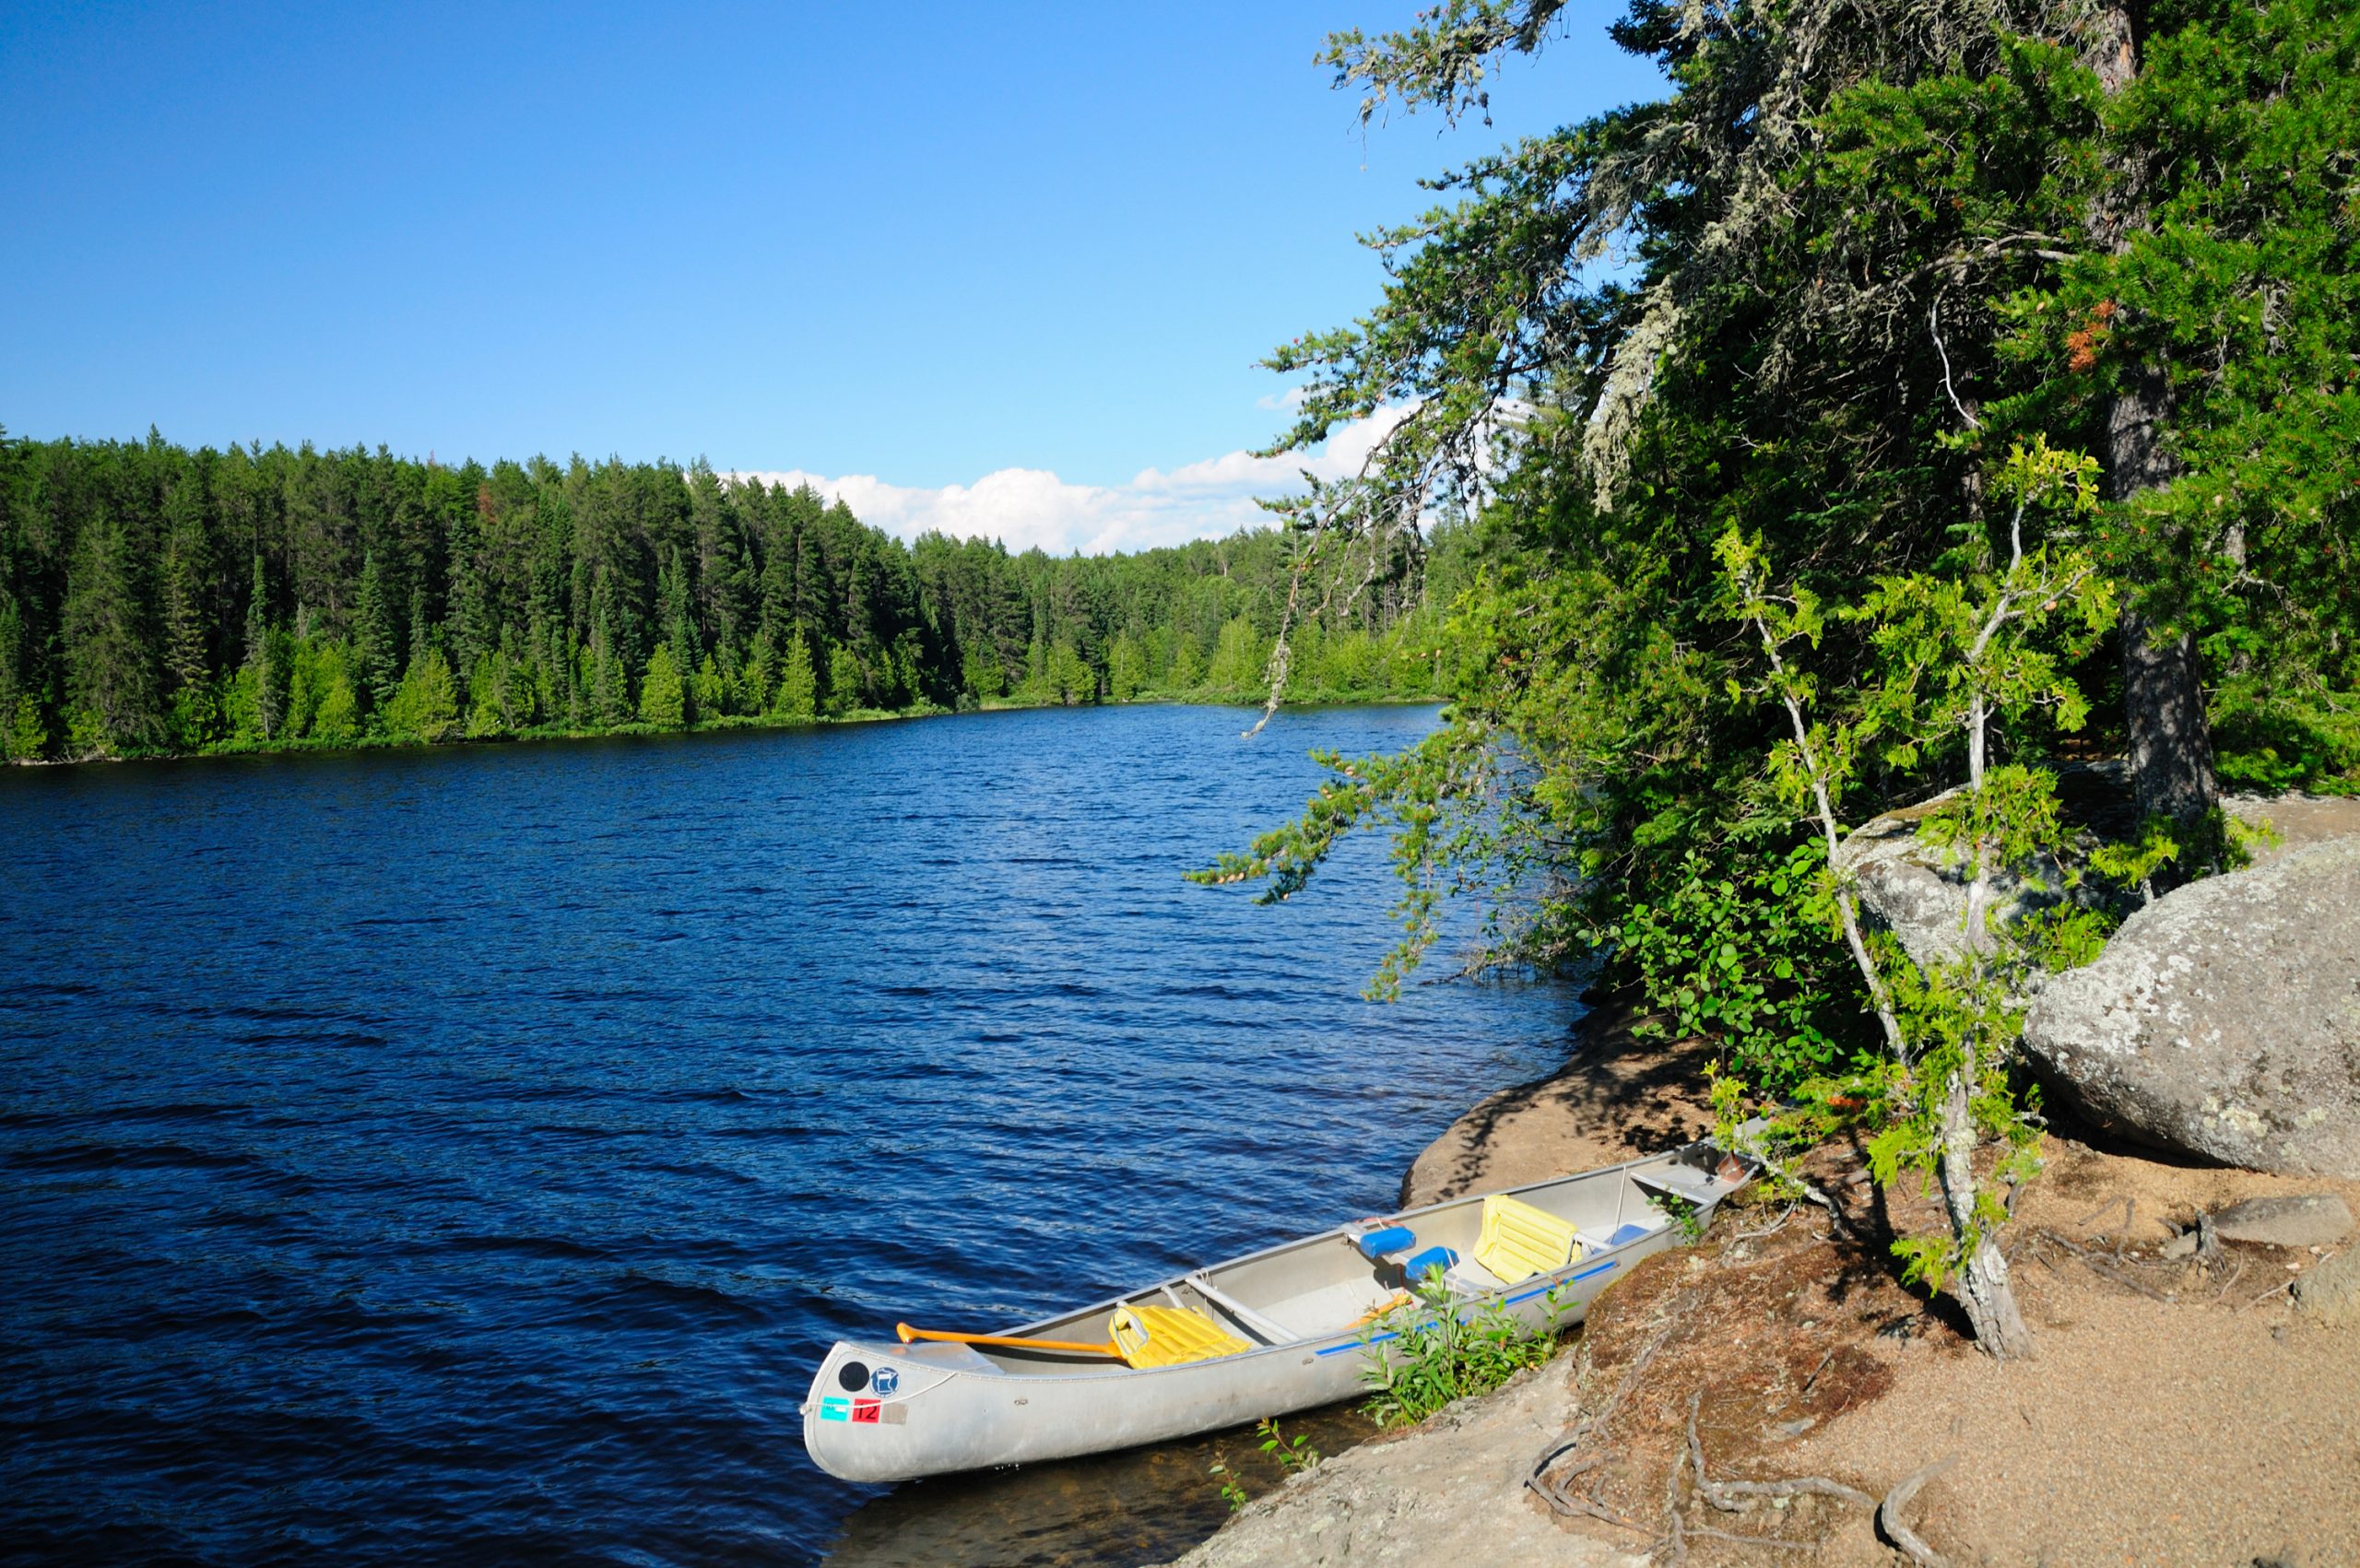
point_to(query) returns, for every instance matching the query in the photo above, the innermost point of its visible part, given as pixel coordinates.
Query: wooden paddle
(908, 1334)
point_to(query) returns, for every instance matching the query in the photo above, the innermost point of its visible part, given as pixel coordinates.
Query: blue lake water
(465, 1154)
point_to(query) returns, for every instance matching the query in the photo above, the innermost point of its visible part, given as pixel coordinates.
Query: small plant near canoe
(1232, 1491)
(1293, 1454)
(1429, 1351)
(1685, 1217)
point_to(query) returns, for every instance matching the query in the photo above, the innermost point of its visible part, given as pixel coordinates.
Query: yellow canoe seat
(1519, 1240)
(1155, 1336)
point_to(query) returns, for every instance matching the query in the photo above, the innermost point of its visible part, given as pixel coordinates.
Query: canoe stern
(864, 1399)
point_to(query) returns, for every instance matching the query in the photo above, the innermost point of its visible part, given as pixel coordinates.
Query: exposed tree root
(1552, 1491)
(1899, 1534)
(1678, 1539)
(1723, 1495)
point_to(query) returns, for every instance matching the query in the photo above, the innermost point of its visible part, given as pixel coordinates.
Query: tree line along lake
(155, 599)
(467, 1151)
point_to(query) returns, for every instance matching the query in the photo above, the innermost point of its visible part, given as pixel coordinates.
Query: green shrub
(1432, 1350)
(1741, 946)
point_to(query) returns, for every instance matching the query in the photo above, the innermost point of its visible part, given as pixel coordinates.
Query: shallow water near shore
(468, 1153)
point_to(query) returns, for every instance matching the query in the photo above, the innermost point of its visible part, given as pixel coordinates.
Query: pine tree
(1071, 679)
(798, 685)
(710, 694)
(760, 678)
(269, 660)
(111, 674)
(672, 592)
(1126, 669)
(1239, 659)
(844, 680)
(485, 690)
(1187, 666)
(609, 682)
(22, 734)
(376, 665)
(473, 631)
(663, 701)
(338, 721)
(186, 569)
(426, 707)
(1036, 687)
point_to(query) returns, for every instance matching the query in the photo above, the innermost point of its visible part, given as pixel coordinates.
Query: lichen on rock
(2224, 1020)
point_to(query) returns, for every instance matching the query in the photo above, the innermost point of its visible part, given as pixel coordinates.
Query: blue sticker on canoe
(832, 1408)
(884, 1380)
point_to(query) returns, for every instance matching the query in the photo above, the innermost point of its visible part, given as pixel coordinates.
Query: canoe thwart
(1271, 1333)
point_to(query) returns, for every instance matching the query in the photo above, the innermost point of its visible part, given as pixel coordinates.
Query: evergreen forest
(157, 599)
(1949, 409)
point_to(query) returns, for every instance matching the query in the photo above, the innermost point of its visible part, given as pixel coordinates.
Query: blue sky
(998, 268)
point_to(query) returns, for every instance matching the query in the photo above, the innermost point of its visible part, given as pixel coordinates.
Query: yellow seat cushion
(1519, 1240)
(1154, 1335)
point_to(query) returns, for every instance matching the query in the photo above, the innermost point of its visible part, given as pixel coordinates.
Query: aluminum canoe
(881, 1411)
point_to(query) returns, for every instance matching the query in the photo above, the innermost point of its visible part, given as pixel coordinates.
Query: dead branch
(2108, 1271)
(1793, 1487)
(2102, 1209)
(1589, 1507)
(1771, 1229)
(1282, 652)
(2051, 1237)
(1889, 1516)
(2111, 1266)
(1934, 324)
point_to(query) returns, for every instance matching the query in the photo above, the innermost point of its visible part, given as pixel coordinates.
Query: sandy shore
(2175, 1413)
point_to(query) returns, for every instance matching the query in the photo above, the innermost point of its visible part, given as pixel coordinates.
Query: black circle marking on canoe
(853, 1375)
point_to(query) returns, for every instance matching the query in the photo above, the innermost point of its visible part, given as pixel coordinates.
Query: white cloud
(1024, 507)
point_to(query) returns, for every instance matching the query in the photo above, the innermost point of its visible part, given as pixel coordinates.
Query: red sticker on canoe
(864, 1410)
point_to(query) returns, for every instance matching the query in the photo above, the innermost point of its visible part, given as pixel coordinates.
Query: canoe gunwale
(1344, 1233)
(1313, 1342)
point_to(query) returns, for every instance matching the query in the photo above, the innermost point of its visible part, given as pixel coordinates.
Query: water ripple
(465, 1154)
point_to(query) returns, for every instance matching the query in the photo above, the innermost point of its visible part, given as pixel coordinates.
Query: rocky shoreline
(2180, 1412)
(2194, 1400)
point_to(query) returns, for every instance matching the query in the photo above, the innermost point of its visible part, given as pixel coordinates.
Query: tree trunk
(2112, 49)
(2171, 745)
(1983, 1286)
(1990, 1304)
(2163, 692)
